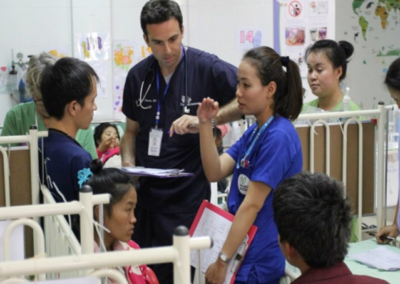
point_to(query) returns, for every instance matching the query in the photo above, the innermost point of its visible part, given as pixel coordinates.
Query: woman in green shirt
(327, 66)
(21, 117)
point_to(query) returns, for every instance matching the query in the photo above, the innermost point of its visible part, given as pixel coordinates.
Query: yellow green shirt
(339, 107)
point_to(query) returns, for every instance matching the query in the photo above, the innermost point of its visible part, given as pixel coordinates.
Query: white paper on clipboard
(212, 221)
(153, 172)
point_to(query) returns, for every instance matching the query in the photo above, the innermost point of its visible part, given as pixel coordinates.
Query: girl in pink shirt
(119, 218)
(106, 138)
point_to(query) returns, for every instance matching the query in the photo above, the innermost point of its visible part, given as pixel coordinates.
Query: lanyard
(243, 162)
(160, 99)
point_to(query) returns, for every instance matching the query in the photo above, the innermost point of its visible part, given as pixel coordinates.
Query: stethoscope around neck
(151, 71)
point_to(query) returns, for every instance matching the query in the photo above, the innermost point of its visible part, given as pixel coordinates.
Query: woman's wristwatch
(223, 257)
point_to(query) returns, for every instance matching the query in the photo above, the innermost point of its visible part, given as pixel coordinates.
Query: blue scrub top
(277, 155)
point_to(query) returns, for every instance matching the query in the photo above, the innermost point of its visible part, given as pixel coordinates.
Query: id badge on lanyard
(156, 134)
(155, 139)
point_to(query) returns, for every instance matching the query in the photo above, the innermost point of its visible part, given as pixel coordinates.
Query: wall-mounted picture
(313, 34)
(295, 36)
(322, 32)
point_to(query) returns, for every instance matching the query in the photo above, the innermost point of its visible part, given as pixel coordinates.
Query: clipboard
(158, 173)
(215, 222)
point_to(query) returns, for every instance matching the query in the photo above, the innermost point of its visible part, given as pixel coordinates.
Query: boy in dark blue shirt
(69, 89)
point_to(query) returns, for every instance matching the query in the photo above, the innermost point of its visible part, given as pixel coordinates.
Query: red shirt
(104, 156)
(135, 274)
(339, 273)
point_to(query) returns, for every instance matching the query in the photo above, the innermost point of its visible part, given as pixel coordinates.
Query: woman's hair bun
(347, 47)
(96, 166)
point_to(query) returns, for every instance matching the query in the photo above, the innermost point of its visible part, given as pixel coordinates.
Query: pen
(383, 237)
(190, 126)
(191, 104)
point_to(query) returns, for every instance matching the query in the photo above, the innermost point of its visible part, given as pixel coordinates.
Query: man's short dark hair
(69, 79)
(160, 11)
(314, 217)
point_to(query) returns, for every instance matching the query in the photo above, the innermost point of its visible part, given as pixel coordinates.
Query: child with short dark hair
(219, 132)
(106, 139)
(308, 205)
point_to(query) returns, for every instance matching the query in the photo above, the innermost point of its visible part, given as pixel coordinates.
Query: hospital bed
(369, 139)
(72, 249)
(84, 263)
(57, 251)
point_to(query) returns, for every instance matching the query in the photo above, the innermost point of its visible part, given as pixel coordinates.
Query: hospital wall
(374, 31)
(30, 27)
(33, 26)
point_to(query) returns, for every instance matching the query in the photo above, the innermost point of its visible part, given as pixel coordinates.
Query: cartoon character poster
(125, 55)
(92, 46)
(57, 51)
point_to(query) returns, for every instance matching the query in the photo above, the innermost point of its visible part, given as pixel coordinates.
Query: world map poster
(373, 27)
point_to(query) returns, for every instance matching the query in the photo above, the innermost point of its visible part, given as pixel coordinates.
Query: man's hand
(390, 231)
(128, 143)
(207, 110)
(185, 124)
(127, 164)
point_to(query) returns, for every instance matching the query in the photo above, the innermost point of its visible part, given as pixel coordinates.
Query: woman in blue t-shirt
(269, 87)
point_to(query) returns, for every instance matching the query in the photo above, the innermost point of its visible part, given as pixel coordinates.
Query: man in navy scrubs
(160, 102)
